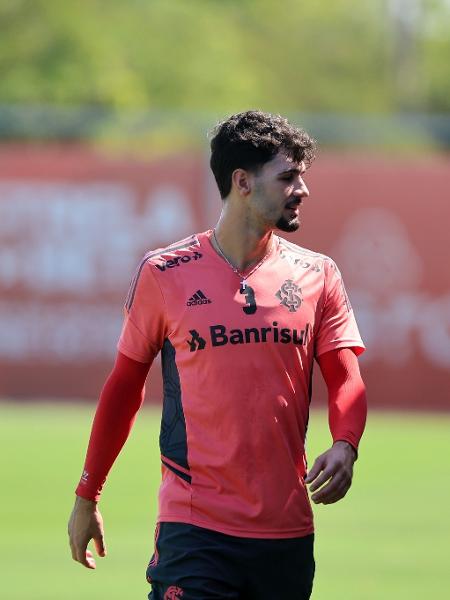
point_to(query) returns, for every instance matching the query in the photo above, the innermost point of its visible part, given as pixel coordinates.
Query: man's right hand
(86, 524)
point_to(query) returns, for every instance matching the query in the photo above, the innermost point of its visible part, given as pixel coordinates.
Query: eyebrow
(294, 170)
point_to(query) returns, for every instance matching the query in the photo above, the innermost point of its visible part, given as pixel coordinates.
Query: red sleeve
(145, 325)
(337, 327)
(121, 398)
(347, 405)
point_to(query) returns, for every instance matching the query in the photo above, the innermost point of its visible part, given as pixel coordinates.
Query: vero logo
(178, 261)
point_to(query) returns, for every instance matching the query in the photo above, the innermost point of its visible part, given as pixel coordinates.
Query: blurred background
(104, 114)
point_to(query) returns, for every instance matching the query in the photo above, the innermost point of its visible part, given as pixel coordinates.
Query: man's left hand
(332, 472)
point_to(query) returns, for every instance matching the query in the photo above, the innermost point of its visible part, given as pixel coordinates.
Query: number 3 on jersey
(249, 293)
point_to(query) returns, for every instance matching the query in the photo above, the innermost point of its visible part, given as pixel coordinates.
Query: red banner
(74, 223)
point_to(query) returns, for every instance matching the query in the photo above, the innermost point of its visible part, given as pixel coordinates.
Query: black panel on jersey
(184, 476)
(172, 439)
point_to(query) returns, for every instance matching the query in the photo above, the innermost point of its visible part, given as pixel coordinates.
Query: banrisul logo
(219, 335)
(196, 342)
(178, 261)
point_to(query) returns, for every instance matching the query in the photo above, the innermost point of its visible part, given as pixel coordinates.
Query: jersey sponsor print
(219, 335)
(177, 261)
(237, 357)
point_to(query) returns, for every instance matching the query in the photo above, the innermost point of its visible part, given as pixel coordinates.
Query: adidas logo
(198, 298)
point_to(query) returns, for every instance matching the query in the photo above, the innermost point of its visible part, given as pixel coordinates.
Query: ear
(241, 181)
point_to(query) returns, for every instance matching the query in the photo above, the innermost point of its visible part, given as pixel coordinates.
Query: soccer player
(239, 315)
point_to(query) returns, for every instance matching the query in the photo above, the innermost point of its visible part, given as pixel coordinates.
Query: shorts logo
(198, 299)
(288, 297)
(178, 261)
(196, 342)
(173, 593)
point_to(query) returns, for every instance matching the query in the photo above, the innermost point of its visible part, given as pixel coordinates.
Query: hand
(334, 468)
(86, 523)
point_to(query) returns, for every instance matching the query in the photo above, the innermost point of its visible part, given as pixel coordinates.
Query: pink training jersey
(237, 365)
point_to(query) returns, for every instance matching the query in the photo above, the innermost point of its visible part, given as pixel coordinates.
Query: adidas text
(195, 302)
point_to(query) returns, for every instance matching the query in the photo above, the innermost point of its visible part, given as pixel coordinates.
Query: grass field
(388, 540)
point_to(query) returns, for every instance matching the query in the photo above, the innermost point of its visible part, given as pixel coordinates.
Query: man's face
(278, 191)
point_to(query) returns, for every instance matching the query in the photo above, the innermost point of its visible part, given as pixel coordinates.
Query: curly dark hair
(249, 139)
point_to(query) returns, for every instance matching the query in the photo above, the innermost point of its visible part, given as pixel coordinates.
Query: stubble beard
(283, 224)
(288, 226)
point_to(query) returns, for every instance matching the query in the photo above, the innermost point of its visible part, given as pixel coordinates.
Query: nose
(301, 191)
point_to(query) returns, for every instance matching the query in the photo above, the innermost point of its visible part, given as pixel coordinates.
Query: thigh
(282, 570)
(191, 563)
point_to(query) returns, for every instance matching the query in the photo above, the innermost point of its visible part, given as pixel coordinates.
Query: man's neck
(241, 244)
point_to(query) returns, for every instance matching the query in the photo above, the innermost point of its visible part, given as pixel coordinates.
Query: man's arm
(121, 398)
(332, 471)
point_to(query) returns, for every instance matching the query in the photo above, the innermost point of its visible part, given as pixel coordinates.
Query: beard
(286, 225)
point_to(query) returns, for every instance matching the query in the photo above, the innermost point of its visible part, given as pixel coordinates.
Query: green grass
(388, 540)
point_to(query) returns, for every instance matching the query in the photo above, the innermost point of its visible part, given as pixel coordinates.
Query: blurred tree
(435, 55)
(222, 55)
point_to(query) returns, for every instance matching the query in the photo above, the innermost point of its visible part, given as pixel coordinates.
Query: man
(239, 315)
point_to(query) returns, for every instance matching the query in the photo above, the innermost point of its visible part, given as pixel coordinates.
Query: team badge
(289, 295)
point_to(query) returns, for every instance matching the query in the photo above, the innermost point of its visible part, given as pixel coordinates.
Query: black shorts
(192, 563)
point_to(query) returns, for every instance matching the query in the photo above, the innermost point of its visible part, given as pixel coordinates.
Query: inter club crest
(289, 295)
(173, 593)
